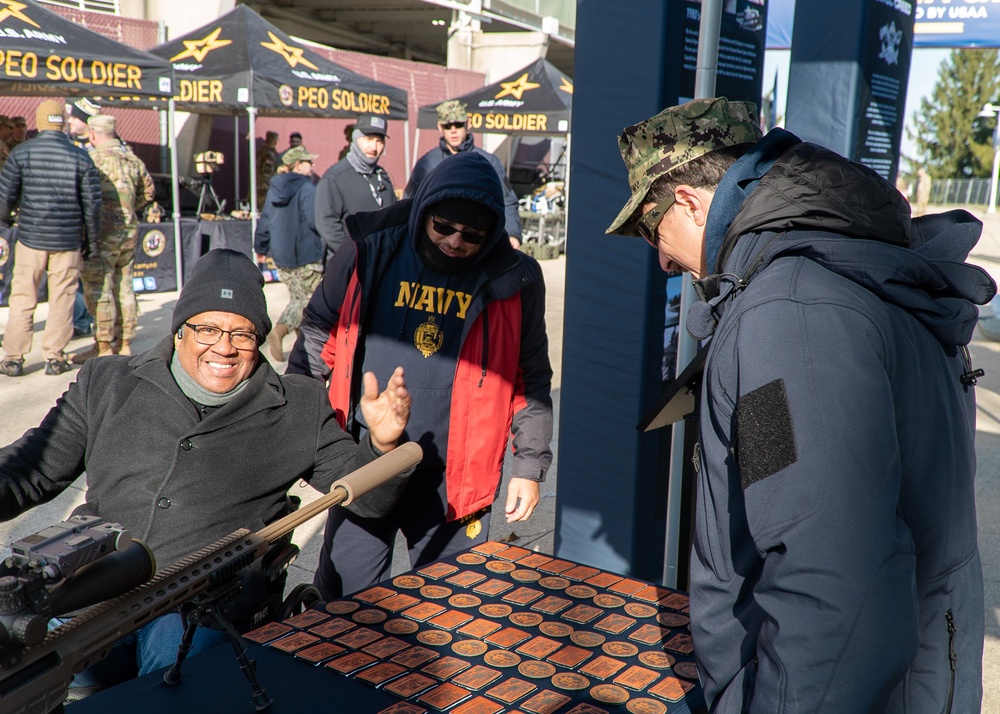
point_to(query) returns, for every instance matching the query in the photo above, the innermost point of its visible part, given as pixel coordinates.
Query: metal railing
(968, 192)
(111, 7)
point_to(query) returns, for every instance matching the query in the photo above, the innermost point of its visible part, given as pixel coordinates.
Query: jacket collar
(265, 390)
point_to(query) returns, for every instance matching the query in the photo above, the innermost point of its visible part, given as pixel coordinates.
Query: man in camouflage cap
(107, 278)
(837, 418)
(452, 122)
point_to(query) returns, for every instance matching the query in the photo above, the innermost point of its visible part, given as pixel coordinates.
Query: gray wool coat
(178, 482)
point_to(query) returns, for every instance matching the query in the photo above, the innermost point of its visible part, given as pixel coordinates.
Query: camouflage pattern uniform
(672, 138)
(301, 283)
(107, 282)
(268, 162)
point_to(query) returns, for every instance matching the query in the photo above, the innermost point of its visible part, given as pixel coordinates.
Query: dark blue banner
(939, 23)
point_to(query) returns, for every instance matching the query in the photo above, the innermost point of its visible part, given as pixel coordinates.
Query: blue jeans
(146, 650)
(81, 318)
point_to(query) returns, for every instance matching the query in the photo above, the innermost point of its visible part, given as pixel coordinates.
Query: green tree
(952, 140)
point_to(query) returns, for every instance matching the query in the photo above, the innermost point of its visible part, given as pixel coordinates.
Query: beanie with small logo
(224, 280)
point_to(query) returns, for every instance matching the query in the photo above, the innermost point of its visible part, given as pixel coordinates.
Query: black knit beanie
(224, 280)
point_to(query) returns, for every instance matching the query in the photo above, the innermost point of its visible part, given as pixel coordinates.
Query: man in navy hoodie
(433, 284)
(287, 232)
(835, 564)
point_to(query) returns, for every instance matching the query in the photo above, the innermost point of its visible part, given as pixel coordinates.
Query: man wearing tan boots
(107, 277)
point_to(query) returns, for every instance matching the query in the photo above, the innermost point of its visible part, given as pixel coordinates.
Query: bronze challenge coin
(469, 648)
(502, 658)
(609, 694)
(526, 576)
(638, 609)
(586, 638)
(556, 629)
(435, 592)
(554, 582)
(408, 582)
(657, 659)
(342, 607)
(400, 627)
(496, 610)
(620, 649)
(500, 566)
(688, 670)
(570, 681)
(434, 638)
(646, 706)
(525, 619)
(471, 559)
(581, 591)
(605, 600)
(464, 600)
(369, 617)
(535, 669)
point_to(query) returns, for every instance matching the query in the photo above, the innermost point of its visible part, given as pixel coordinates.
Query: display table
(494, 629)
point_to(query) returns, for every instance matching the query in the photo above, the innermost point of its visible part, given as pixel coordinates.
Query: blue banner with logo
(938, 23)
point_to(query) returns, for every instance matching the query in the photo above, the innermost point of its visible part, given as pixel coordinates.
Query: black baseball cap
(369, 124)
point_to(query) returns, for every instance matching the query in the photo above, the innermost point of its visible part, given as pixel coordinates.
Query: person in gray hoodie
(835, 564)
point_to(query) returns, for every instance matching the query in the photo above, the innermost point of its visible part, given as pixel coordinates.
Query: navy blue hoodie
(287, 227)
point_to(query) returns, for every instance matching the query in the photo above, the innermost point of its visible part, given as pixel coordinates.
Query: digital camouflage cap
(674, 137)
(451, 111)
(296, 154)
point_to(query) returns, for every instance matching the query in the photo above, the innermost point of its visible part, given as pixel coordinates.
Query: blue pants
(146, 650)
(357, 552)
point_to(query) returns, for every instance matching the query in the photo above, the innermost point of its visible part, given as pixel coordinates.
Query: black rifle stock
(38, 682)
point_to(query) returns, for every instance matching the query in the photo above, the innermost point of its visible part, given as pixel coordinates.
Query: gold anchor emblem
(428, 338)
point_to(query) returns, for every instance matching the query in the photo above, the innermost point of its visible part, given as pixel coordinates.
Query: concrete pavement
(24, 401)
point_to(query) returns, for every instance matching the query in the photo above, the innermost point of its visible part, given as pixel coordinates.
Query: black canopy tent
(537, 99)
(242, 63)
(45, 54)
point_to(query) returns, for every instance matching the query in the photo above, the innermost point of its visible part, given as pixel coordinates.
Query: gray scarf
(356, 157)
(197, 393)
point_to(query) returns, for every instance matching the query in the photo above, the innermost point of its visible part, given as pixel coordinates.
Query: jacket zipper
(952, 658)
(486, 344)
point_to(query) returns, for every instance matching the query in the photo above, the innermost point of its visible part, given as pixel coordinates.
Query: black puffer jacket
(59, 191)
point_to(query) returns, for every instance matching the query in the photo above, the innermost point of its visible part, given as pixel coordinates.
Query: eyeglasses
(454, 125)
(651, 219)
(209, 335)
(446, 229)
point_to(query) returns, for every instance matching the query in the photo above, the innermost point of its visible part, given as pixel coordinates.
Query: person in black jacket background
(287, 232)
(56, 190)
(355, 183)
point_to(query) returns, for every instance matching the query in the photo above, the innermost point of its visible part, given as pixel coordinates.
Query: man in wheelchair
(194, 439)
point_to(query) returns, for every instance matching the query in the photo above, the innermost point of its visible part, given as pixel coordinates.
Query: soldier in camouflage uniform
(6, 128)
(268, 161)
(107, 281)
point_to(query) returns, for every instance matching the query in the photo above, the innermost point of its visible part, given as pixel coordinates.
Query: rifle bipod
(203, 611)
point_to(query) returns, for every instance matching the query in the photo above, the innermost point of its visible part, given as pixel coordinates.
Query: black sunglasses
(453, 125)
(446, 229)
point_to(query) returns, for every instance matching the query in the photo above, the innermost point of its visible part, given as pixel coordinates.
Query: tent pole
(406, 149)
(252, 112)
(175, 193)
(416, 150)
(236, 161)
(687, 346)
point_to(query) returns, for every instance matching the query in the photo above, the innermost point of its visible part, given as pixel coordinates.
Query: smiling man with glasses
(455, 139)
(196, 437)
(835, 563)
(434, 285)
